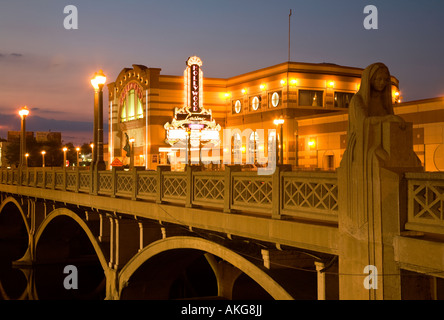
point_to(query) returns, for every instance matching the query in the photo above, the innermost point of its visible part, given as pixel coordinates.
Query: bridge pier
(125, 241)
(148, 233)
(371, 206)
(226, 275)
(35, 214)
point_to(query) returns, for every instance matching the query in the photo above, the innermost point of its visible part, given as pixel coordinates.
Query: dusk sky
(48, 68)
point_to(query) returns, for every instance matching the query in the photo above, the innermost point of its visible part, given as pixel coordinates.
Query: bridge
(285, 233)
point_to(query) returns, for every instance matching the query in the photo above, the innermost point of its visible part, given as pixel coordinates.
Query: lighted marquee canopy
(192, 118)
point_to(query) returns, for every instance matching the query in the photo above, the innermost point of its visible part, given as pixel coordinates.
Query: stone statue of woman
(379, 150)
(376, 138)
(370, 106)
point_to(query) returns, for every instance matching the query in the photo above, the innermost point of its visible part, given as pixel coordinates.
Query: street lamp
(98, 81)
(64, 156)
(280, 122)
(78, 163)
(26, 157)
(23, 112)
(43, 158)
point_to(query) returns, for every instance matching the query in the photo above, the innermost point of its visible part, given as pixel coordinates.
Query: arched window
(237, 148)
(272, 147)
(252, 147)
(132, 107)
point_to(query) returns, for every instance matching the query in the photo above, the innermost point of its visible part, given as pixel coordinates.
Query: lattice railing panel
(15, 177)
(174, 186)
(311, 195)
(208, 188)
(48, 179)
(39, 178)
(124, 183)
(84, 180)
(59, 180)
(255, 192)
(426, 202)
(24, 178)
(105, 182)
(71, 180)
(147, 185)
(31, 178)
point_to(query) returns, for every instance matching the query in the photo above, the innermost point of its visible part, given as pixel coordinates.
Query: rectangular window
(342, 99)
(312, 98)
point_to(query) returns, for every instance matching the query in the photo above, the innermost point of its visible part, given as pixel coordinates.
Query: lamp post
(26, 157)
(78, 162)
(43, 158)
(64, 156)
(23, 112)
(98, 81)
(280, 122)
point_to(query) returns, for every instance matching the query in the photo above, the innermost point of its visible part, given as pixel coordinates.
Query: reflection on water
(45, 281)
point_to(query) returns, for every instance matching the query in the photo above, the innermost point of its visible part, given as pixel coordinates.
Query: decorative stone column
(371, 191)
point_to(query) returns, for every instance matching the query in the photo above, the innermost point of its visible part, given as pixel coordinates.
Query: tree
(12, 152)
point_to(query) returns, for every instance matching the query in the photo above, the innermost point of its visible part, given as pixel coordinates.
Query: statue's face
(380, 79)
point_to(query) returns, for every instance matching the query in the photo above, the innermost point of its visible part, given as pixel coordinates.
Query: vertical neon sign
(193, 83)
(194, 88)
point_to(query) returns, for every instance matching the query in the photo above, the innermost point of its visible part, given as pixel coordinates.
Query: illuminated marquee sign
(192, 120)
(193, 82)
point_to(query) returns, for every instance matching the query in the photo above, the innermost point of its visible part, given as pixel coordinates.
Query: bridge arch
(60, 212)
(15, 226)
(185, 242)
(19, 207)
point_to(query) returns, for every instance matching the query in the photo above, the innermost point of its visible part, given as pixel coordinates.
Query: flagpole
(289, 18)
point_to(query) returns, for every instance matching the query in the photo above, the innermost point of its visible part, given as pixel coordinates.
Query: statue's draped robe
(364, 150)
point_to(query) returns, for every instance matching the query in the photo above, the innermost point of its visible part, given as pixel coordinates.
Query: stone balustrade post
(228, 186)
(160, 170)
(190, 184)
(278, 190)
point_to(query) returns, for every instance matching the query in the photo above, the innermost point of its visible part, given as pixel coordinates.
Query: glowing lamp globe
(98, 81)
(23, 112)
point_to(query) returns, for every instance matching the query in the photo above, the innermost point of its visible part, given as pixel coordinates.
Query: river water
(42, 281)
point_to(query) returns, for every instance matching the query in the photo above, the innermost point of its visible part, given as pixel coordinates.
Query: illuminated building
(144, 104)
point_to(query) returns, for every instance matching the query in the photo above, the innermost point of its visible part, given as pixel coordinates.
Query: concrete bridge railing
(311, 195)
(425, 202)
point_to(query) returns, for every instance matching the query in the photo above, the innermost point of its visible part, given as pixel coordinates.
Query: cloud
(13, 55)
(48, 111)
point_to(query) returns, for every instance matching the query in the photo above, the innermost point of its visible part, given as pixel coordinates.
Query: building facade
(142, 101)
(322, 139)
